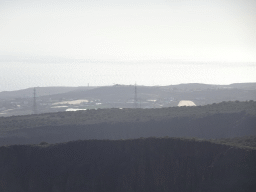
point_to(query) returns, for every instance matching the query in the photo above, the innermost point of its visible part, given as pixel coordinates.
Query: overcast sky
(190, 30)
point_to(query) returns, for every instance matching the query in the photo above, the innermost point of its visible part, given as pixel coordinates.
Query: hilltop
(222, 120)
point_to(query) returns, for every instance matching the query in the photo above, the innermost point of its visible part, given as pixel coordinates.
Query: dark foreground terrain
(150, 165)
(121, 161)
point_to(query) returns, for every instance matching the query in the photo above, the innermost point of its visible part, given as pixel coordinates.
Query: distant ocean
(18, 75)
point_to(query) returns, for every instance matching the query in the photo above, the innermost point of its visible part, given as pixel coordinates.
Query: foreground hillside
(223, 120)
(166, 164)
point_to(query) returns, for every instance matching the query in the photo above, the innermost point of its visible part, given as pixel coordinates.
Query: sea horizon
(22, 75)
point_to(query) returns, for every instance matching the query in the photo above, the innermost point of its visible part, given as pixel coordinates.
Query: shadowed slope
(151, 164)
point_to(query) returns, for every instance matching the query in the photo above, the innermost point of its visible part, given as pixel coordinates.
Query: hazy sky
(153, 42)
(190, 30)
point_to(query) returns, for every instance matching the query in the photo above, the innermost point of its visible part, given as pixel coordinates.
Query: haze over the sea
(100, 74)
(101, 42)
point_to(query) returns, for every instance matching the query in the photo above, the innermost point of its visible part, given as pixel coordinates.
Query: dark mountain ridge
(71, 92)
(163, 164)
(40, 91)
(223, 120)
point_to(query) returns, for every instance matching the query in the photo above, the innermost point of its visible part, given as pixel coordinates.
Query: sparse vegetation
(155, 162)
(145, 164)
(222, 120)
(115, 115)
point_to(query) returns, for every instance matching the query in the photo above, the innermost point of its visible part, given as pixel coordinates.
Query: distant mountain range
(70, 92)
(40, 91)
(56, 99)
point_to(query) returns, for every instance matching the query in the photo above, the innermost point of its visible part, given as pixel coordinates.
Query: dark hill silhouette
(193, 91)
(40, 91)
(123, 90)
(110, 93)
(223, 120)
(151, 165)
(244, 85)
